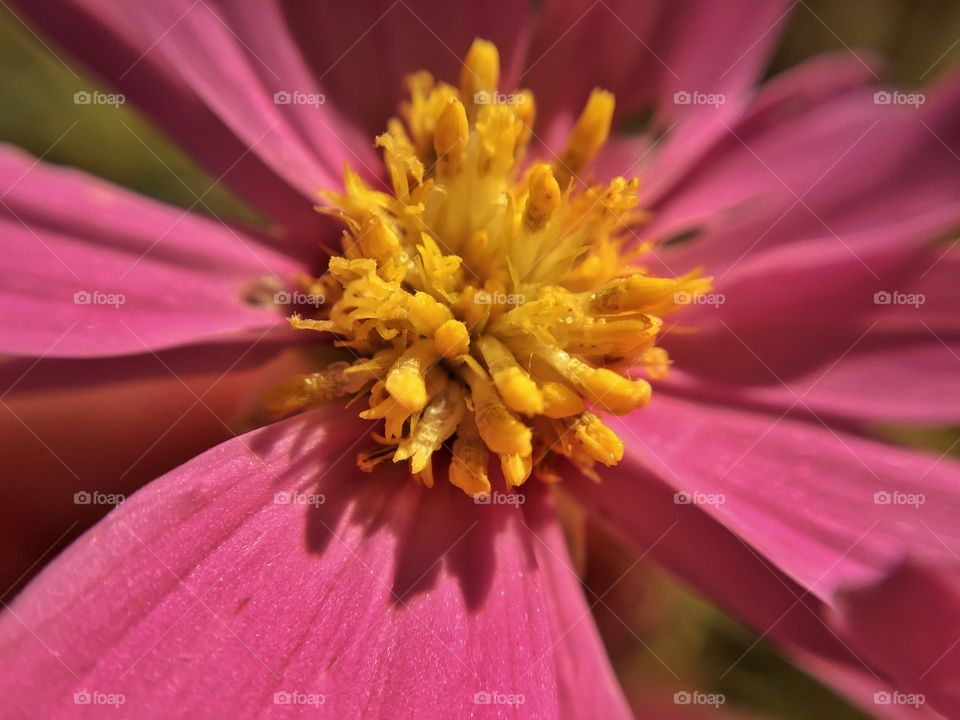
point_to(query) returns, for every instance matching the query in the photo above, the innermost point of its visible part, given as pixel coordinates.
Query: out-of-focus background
(652, 626)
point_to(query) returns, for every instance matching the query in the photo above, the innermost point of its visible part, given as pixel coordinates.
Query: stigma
(486, 305)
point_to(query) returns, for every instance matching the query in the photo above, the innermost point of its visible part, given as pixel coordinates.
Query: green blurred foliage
(37, 86)
(917, 41)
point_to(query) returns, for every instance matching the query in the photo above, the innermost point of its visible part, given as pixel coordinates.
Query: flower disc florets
(485, 303)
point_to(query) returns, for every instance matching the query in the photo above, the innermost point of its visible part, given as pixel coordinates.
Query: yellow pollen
(485, 305)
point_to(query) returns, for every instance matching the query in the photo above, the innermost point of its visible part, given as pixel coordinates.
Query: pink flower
(269, 574)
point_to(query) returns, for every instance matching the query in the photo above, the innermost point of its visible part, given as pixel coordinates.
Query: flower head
(499, 292)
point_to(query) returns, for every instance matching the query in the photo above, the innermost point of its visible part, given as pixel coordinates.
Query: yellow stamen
(452, 339)
(543, 200)
(588, 135)
(598, 441)
(516, 469)
(480, 75)
(468, 467)
(451, 138)
(518, 391)
(405, 381)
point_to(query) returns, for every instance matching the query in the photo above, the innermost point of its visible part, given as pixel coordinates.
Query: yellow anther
(516, 469)
(480, 74)
(598, 441)
(426, 313)
(543, 200)
(603, 388)
(500, 429)
(588, 135)
(526, 114)
(635, 292)
(518, 391)
(615, 393)
(468, 467)
(438, 422)
(405, 381)
(450, 139)
(559, 401)
(451, 339)
(376, 240)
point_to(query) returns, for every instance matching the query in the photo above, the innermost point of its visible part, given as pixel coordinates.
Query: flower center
(486, 303)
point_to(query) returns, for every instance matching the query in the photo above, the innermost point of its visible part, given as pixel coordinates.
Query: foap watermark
(96, 697)
(499, 498)
(886, 97)
(894, 497)
(299, 498)
(483, 97)
(482, 297)
(296, 97)
(884, 297)
(687, 497)
(898, 698)
(494, 697)
(95, 97)
(685, 697)
(297, 697)
(83, 497)
(95, 297)
(295, 297)
(695, 97)
(683, 297)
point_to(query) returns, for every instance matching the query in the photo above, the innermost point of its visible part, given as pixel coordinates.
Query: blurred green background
(647, 618)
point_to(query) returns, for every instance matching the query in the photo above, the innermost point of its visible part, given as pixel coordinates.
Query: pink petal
(641, 509)
(382, 41)
(825, 507)
(908, 624)
(777, 523)
(586, 685)
(207, 73)
(804, 218)
(802, 164)
(204, 593)
(80, 425)
(648, 52)
(91, 269)
(882, 377)
(906, 343)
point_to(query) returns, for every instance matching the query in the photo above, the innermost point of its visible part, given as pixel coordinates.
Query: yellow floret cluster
(487, 305)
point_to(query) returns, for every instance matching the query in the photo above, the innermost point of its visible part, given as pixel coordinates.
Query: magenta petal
(885, 377)
(208, 75)
(586, 684)
(648, 52)
(908, 624)
(81, 425)
(825, 507)
(642, 510)
(90, 269)
(270, 569)
(362, 51)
